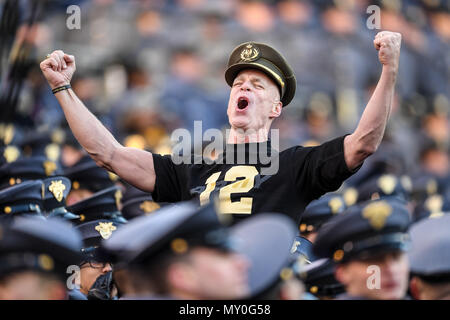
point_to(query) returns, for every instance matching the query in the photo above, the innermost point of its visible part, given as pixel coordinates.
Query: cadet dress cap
(86, 174)
(30, 243)
(302, 250)
(317, 212)
(171, 229)
(55, 193)
(265, 240)
(363, 230)
(43, 143)
(92, 234)
(386, 185)
(141, 206)
(423, 186)
(101, 205)
(434, 206)
(429, 256)
(27, 169)
(253, 55)
(318, 278)
(24, 198)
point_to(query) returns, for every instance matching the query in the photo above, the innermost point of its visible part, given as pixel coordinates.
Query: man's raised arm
(133, 165)
(369, 133)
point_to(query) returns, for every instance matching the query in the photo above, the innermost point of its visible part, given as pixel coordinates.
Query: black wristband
(65, 87)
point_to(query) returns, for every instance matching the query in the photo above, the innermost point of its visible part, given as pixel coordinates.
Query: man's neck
(249, 136)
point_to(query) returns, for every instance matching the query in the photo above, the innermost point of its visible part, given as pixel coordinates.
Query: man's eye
(237, 84)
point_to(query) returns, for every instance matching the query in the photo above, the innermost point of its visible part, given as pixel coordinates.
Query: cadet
(186, 253)
(318, 212)
(95, 276)
(429, 258)
(87, 178)
(104, 204)
(22, 199)
(319, 279)
(368, 240)
(24, 169)
(34, 258)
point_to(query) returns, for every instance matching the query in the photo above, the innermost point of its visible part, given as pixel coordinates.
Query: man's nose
(245, 86)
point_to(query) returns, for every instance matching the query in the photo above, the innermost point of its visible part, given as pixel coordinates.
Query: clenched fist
(388, 45)
(58, 68)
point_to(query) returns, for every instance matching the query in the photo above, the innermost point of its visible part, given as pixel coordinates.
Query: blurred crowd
(145, 68)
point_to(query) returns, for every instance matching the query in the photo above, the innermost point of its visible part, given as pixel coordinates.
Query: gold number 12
(244, 205)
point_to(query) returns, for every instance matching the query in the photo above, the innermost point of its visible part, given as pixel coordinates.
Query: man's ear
(415, 286)
(340, 274)
(276, 109)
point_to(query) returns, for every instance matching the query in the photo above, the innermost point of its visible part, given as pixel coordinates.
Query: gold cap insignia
(105, 229)
(118, 197)
(350, 196)
(387, 183)
(434, 203)
(49, 167)
(377, 214)
(149, 206)
(294, 246)
(52, 152)
(57, 189)
(314, 289)
(302, 227)
(82, 217)
(113, 176)
(249, 53)
(75, 185)
(335, 204)
(11, 153)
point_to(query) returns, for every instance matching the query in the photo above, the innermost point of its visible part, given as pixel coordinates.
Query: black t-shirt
(249, 185)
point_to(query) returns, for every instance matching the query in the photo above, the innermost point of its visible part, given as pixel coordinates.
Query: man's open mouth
(242, 103)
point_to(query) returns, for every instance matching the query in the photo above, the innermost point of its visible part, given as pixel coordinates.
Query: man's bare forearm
(371, 127)
(367, 137)
(87, 129)
(133, 165)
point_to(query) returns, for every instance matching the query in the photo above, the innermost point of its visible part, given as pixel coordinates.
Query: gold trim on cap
(46, 262)
(274, 74)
